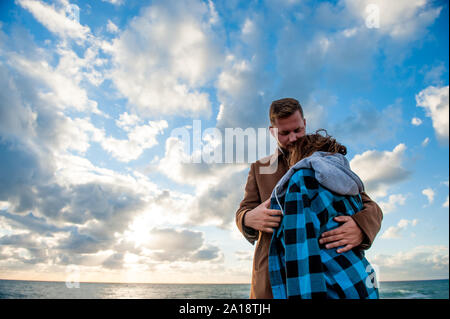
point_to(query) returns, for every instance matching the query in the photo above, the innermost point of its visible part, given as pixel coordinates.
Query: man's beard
(286, 150)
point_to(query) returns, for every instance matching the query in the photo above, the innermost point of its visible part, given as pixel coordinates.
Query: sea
(18, 289)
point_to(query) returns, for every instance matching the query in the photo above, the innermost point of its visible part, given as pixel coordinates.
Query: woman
(318, 187)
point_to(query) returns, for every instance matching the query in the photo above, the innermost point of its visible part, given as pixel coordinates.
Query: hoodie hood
(331, 170)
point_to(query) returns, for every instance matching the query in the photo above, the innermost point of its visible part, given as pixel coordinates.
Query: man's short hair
(284, 108)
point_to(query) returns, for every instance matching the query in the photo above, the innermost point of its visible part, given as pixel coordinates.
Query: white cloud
(111, 27)
(76, 170)
(434, 74)
(73, 134)
(393, 202)
(216, 184)
(36, 98)
(232, 79)
(180, 166)
(4, 205)
(429, 193)
(78, 133)
(56, 19)
(416, 121)
(400, 19)
(435, 102)
(68, 194)
(394, 232)
(56, 85)
(380, 169)
(64, 193)
(214, 16)
(171, 207)
(243, 86)
(89, 67)
(170, 244)
(126, 121)
(445, 204)
(164, 57)
(282, 3)
(239, 88)
(115, 2)
(248, 27)
(419, 263)
(350, 32)
(244, 255)
(140, 137)
(72, 67)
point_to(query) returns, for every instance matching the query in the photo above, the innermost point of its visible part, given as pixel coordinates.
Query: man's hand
(262, 218)
(349, 234)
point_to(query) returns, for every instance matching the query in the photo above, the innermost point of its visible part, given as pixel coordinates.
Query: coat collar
(279, 152)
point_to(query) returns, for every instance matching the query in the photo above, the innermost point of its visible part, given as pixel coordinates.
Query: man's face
(289, 129)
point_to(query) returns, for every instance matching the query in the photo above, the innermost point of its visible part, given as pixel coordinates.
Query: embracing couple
(309, 214)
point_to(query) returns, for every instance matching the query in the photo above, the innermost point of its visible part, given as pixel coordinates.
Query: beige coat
(257, 190)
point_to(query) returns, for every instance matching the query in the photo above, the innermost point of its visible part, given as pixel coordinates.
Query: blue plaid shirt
(301, 268)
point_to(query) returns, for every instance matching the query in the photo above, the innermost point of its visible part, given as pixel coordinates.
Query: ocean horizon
(27, 289)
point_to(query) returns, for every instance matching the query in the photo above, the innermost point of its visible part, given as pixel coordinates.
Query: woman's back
(298, 266)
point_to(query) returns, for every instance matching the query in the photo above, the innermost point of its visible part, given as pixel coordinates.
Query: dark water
(433, 289)
(428, 289)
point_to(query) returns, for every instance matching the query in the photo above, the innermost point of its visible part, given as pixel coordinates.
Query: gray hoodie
(331, 170)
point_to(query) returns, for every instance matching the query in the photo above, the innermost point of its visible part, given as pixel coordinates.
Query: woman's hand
(349, 235)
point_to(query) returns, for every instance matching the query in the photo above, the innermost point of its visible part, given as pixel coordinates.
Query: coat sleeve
(251, 200)
(369, 220)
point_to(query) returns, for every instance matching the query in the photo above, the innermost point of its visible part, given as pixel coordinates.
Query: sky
(98, 182)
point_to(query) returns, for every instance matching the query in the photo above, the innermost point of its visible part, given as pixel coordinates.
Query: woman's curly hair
(305, 146)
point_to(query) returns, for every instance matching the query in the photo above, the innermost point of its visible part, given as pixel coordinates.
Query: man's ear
(272, 131)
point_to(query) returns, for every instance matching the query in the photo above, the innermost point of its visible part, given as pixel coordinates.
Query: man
(256, 221)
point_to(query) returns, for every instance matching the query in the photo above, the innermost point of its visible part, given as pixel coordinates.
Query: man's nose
(292, 137)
